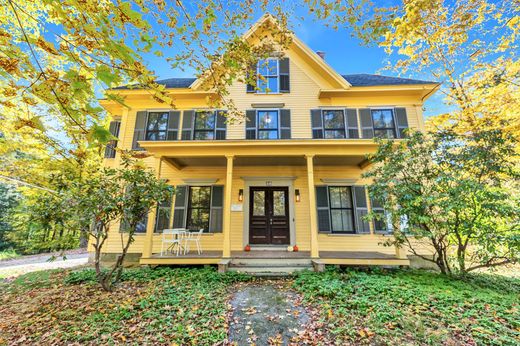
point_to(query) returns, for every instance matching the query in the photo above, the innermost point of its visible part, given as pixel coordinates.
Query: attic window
(268, 76)
(272, 76)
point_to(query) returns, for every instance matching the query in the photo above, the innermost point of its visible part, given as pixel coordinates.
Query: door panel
(269, 215)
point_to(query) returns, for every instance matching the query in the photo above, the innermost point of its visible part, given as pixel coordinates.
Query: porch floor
(326, 257)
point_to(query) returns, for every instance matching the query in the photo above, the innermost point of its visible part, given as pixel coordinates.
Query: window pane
(340, 197)
(204, 134)
(205, 121)
(267, 134)
(267, 120)
(272, 67)
(262, 85)
(333, 119)
(200, 196)
(263, 67)
(259, 203)
(279, 203)
(199, 218)
(273, 84)
(388, 133)
(157, 121)
(156, 136)
(383, 118)
(342, 220)
(335, 134)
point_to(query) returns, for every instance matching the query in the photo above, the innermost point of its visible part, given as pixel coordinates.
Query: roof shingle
(357, 80)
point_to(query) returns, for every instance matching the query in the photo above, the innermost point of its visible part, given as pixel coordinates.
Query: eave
(422, 90)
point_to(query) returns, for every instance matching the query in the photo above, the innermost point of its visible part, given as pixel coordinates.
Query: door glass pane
(279, 203)
(258, 203)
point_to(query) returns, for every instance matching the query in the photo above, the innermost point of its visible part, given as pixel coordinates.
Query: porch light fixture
(297, 195)
(240, 195)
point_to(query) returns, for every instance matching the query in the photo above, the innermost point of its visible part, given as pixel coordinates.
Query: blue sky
(344, 53)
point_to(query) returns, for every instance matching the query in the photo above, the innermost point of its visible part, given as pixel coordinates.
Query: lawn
(407, 307)
(190, 307)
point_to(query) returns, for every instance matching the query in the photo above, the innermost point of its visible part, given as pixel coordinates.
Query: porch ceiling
(220, 161)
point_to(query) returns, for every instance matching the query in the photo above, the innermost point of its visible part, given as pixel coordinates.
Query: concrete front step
(263, 270)
(271, 261)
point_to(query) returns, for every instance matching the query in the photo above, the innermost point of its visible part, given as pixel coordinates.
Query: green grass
(8, 254)
(415, 307)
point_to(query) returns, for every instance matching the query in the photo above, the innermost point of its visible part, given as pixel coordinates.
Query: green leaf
(104, 73)
(99, 134)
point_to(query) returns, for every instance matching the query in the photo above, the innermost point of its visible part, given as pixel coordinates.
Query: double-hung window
(341, 209)
(268, 124)
(204, 125)
(199, 208)
(384, 123)
(333, 123)
(268, 76)
(157, 126)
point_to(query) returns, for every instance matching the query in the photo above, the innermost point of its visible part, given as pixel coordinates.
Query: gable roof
(356, 80)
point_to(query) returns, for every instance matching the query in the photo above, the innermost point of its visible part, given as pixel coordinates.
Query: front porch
(284, 177)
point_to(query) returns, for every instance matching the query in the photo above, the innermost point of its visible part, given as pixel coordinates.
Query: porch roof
(262, 152)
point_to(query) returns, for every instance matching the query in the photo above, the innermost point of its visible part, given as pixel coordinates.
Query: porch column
(312, 207)
(148, 240)
(226, 246)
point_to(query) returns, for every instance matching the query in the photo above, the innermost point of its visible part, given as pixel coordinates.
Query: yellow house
(286, 175)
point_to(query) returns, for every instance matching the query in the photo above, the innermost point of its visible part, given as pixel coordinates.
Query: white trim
(264, 178)
(203, 181)
(275, 181)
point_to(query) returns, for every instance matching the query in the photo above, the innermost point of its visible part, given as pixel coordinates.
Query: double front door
(269, 215)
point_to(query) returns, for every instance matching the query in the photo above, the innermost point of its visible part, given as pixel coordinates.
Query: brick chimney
(321, 54)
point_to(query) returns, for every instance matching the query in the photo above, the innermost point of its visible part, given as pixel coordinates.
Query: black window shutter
(162, 216)
(401, 122)
(173, 125)
(367, 125)
(110, 150)
(352, 123)
(188, 118)
(216, 209)
(322, 204)
(221, 125)
(284, 75)
(285, 124)
(139, 129)
(380, 224)
(316, 123)
(250, 124)
(179, 211)
(251, 73)
(360, 202)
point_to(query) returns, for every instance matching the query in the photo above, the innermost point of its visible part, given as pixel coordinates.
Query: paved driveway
(26, 264)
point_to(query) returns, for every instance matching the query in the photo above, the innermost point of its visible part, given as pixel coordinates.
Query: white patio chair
(193, 237)
(171, 239)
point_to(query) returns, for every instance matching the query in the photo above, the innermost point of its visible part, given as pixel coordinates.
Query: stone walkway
(271, 313)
